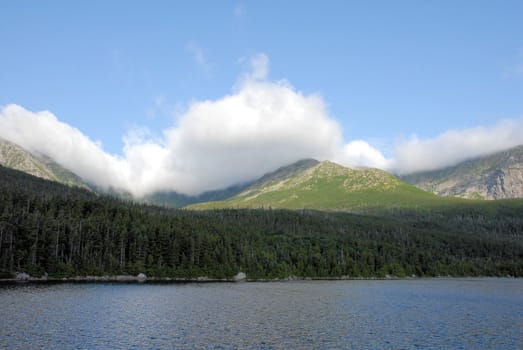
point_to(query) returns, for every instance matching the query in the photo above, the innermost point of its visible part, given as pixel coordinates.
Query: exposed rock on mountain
(15, 157)
(496, 176)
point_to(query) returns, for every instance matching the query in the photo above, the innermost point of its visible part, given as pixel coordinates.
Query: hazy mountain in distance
(495, 176)
(176, 200)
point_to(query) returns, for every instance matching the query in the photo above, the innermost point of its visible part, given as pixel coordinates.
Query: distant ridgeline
(46, 227)
(15, 157)
(495, 176)
(314, 185)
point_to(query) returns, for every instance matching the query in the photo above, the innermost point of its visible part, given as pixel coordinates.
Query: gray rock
(240, 276)
(22, 276)
(494, 176)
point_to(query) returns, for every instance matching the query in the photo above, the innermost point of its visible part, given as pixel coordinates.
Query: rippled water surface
(408, 314)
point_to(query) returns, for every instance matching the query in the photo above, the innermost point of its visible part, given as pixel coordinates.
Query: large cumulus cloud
(454, 146)
(260, 126)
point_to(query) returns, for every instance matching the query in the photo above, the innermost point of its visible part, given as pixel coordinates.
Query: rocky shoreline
(240, 277)
(140, 278)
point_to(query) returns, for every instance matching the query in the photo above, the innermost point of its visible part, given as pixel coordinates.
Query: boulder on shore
(22, 276)
(240, 276)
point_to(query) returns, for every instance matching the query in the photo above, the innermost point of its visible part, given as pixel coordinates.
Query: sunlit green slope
(329, 186)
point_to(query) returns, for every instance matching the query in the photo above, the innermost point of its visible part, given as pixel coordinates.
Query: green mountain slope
(177, 200)
(15, 157)
(496, 176)
(328, 186)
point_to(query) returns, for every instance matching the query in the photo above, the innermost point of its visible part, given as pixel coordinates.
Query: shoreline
(125, 279)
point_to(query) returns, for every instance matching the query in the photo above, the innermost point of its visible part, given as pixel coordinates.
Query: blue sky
(384, 69)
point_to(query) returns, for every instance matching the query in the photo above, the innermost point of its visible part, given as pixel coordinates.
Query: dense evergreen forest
(49, 228)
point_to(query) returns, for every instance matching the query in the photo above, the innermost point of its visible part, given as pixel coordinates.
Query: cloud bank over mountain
(455, 146)
(259, 127)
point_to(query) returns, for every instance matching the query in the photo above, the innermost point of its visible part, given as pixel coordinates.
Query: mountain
(326, 186)
(495, 176)
(177, 200)
(15, 157)
(311, 184)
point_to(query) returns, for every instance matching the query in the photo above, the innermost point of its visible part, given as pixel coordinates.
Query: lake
(390, 314)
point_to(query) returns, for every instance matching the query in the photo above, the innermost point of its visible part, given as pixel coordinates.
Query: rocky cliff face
(506, 183)
(15, 157)
(496, 176)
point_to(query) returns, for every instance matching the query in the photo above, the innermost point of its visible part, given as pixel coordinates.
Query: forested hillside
(64, 231)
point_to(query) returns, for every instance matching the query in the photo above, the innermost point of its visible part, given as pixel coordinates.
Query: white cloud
(259, 127)
(241, 136)
(160, 106)
(361, 153)
(257, 69)
(454, 146)
(196, 51)
(260, 67)
(262, 125)
(43, 133)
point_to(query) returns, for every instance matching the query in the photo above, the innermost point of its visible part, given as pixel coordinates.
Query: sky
(200, 95)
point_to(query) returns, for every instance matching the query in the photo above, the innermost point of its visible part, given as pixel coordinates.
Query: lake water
(402, 314)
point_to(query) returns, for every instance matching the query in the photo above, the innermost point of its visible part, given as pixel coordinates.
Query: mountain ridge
(495, 176)
(16, 157)
(327, 186)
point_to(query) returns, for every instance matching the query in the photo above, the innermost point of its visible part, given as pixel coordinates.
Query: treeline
(49, 228)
